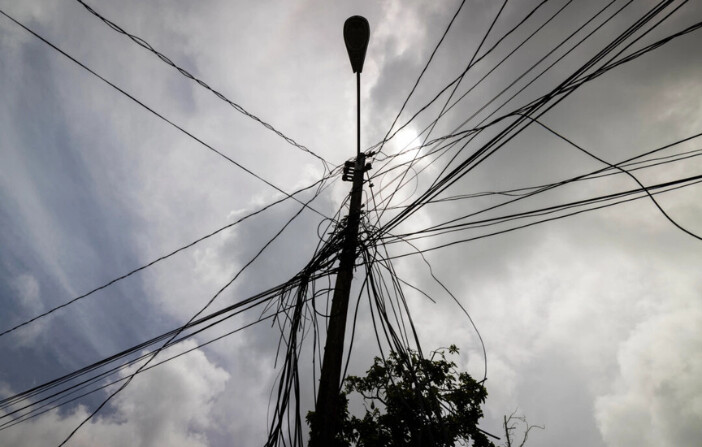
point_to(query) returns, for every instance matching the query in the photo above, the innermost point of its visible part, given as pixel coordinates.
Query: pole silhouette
(326, 425)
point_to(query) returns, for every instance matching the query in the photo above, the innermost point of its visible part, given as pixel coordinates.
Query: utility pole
(328, 417)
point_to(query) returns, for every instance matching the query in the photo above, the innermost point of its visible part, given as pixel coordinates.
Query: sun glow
(406, 141)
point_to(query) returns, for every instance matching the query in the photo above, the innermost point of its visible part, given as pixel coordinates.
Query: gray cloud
(588, 322)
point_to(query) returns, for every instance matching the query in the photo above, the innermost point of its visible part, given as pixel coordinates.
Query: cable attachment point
(349, 170)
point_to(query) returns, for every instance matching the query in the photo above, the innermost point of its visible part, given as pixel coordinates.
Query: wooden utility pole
(328, 417)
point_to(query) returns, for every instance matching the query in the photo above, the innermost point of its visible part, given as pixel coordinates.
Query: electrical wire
(197, 314)
(156, 260)
(533, 191)
(612, 198)
(155, 113)
(144, 44)
(547, 102)
(624, 171)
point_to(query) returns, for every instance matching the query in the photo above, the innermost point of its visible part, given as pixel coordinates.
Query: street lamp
(356, 36)
(328, 419)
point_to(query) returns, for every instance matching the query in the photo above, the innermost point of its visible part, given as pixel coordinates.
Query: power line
(144, 44)
(620, 196)
(287, 195)
(223, 314)
(421, 74)
(475, 131)
(546, 102)
(197, 314)
(458, 79)
(543, 58)
(524, 191)
(155, 261)
(457, 84)
(383, 287)
(624, 171)
(154, 112)
(535, 190)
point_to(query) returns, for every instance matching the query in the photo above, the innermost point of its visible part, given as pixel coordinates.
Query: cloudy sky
(591, 323)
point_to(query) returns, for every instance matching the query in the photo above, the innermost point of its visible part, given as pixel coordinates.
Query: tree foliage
(415, 401)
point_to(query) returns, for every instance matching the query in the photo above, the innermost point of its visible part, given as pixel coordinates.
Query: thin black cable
(155, 261)
(693, 181)
(535, 64)
(495, 97)
(513, 129)
(460, 305)
(228, 312)
(445, 229)
(458, 78)
(457, 84)
(624, 171)
(464, 134)
(253, 300)
(155, 354)
(144, 44)
(536, 77)
(523, 191)
(36, 413)
(426, 66)
(508, 55)
(543, 188)
(154, 112)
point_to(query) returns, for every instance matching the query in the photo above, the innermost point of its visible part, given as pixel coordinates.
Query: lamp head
(356, 36)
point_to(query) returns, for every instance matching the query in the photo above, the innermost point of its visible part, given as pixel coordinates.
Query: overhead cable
(154, 112)
(144, 44)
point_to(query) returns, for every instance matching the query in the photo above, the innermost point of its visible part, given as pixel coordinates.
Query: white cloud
(169, 405)
(27, 289)
(657, 398)
(574, 303)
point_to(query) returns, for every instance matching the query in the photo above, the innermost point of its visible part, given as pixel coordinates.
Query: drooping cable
(196, 315)
(624, 171)
(547, 102)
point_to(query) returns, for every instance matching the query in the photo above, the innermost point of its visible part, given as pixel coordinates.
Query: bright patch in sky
(590, 322)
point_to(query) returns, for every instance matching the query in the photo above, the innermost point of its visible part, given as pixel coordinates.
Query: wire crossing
(144, 44)
(299, 309)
